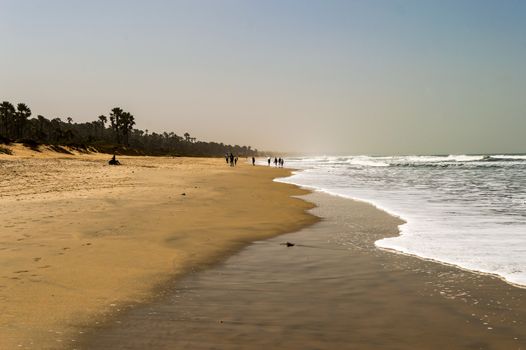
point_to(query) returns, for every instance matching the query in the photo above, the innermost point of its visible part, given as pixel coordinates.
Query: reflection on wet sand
(332, 290)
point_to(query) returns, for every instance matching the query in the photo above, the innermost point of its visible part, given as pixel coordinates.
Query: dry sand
(80, 240)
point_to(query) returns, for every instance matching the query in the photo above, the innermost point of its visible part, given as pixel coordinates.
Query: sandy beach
(184, 253)
(264, 174)
(81, 240)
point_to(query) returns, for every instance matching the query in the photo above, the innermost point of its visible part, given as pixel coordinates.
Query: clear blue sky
(346, 77)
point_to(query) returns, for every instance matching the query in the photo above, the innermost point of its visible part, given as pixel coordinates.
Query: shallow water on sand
(333, 290)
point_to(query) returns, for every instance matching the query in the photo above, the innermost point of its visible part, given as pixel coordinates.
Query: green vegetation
(118, 137)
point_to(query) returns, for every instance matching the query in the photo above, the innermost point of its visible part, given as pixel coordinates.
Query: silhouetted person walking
(275, 161)
(253, 161)
(268, 161)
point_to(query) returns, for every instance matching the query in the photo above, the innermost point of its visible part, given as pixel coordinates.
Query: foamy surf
(463, 210)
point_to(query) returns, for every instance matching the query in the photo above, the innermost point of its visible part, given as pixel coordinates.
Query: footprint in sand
(21, 271)
(44, 267)
(37, 259)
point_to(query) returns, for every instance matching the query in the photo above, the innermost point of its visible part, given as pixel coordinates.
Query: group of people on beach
(278, 162)
(231, 159)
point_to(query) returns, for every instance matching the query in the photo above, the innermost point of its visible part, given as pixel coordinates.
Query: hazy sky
(340, 77)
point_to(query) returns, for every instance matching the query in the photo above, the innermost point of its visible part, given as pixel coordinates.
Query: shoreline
(404, 221)
(75, 254)
(334, 289)
(458, 267)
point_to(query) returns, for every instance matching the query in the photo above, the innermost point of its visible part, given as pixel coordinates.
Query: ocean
(464, 210)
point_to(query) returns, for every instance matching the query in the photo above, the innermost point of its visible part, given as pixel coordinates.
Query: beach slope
(81, 240)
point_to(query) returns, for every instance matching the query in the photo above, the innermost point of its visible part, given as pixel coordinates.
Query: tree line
(112, 133)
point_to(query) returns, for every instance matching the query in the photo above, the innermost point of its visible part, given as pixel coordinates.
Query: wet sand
(333, 290)
(81, 240)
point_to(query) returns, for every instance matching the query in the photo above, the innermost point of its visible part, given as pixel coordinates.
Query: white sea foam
(472, 214)
(366, 161)
(509, 156)
(449, 158)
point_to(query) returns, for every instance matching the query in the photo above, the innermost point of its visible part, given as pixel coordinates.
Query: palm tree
(102, 120)
(7, 117)
(22, 115)
(115, 115)
(127, 122)
(187, 137)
